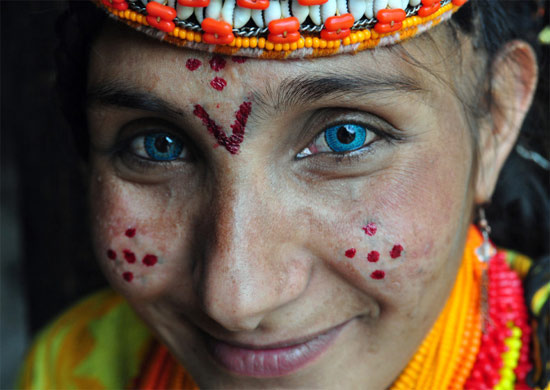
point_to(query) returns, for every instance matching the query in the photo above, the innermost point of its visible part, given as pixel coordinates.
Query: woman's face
(279, 223)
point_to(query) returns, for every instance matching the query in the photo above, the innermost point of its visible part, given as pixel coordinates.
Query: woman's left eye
(159, 147)
(340, 139)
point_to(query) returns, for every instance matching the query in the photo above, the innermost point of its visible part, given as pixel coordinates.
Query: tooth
(227, 11)
(285, 8)
(315, 14)
(273, 12)
(369, 11)
(300, 11)
(414, 3)
(357, 8)
(184, 12)
(342, 6)
(199, 14)
(214, 9)
(328, 9)
(379, 5)
(258, 17)
(393, 4)
(242, 16)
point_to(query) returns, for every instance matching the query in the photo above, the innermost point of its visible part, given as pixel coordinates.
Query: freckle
(373, 256)
(149, 260)
(239, 60)
(396, 251)
(131, 232)
(218, 83)
(217, 63)
(351, 253)
(370, 229)
(378, 274)
(111, 254)
(217, 106)
(129, 256)
(128, 276)
(193, 64)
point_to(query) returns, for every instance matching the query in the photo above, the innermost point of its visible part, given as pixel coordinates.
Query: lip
(273, 360)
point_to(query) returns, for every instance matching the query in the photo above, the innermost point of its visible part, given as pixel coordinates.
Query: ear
(513, 82)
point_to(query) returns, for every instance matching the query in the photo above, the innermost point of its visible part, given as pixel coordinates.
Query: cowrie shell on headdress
(315, 14)
(357, 8)
(342, 6)
(414, 3)
(273, 12)
(380, 5)
(241, 16)
(214, 9)
(199, 14)
(227, 11)
(285, 8)
(394, 4)
(369, 11)
(184, 12)
(258, 17)
(299, 11)
(328, 9)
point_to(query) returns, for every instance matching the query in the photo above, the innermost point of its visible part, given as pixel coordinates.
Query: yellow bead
(127, 14)
(190, 36)
(238, 41)
(269, 45)
(322, 44)
(301, 43)
(346, 41)
(315, 42)
(353, 38)
(141, 20)
(133, 16)
(360, 36)
(253, 42)
(309, 42)
(330, 44)
(182, 33)
(198, 37)
(261, 43)
(278, 46)
(294, 46)
(516, 332)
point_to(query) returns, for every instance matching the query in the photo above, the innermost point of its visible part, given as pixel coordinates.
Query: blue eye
(345, 138)
(158, 147)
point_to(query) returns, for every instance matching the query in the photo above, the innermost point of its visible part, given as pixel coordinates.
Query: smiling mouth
(271, 360)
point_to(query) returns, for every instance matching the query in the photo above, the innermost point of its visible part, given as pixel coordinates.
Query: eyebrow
(301, 90)
(124, 96)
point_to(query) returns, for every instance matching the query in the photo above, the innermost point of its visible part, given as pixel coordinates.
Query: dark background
(46, 258)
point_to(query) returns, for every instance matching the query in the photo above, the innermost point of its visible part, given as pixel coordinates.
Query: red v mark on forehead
(233, 142)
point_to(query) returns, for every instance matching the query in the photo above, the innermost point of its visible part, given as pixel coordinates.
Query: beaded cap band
(282, 28)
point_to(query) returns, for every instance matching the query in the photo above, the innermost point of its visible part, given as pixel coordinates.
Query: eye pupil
(162, 147)
(345, 135)
(162, 143)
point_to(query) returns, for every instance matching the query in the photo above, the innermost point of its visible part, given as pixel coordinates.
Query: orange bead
(284, 38)
(214, 26)
(160, 24)
(161, 11)
(428, 10)
(194, 3)
(253, 4)
(335, 35)
(311, 2)
(383, 28)
(458, 3)
(282, 26)
(339, 22)
(391, 15)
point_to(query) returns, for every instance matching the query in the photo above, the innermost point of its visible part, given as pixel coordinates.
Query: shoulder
(98, 343)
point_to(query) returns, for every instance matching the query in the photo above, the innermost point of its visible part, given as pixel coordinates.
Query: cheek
(137, 240)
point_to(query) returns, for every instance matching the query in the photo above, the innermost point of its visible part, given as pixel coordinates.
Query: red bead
(335, 35)
(253, 4)
(340, 22)
(194, 3)
(429, 10)
(161, 16)
(311, 2)
(284, 30)
(458, 3)
(288, 37)
(217, 32)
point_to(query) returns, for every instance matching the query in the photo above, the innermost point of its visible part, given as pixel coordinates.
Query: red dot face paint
(370, 229)
(218, 83)
(217, 63)
(233, 142)
(130, 232)
(378, 274)
(149, 260)
(351, 253)
(193, 64)
(111, 254)
(128, 276)
(239, 60)
(396, 251)
(129, 256)
(373, 256)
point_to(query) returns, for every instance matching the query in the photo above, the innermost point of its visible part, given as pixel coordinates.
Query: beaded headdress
(282, 28)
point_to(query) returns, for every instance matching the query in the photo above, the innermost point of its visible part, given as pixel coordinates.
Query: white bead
(273, 12)
(199, 14)
(342, 6)
(258, 17)
(228, 10)
(379, 5)
(184, 12)
(285, 8)
(357, 8)
(315, 14)
(214, 9)
(242, 16)
(328, 9)
(369, 11)
(299, 11)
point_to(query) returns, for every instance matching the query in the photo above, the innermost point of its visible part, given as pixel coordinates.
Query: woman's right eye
(159, 147)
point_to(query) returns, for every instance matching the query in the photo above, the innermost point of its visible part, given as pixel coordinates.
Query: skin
(251, 246)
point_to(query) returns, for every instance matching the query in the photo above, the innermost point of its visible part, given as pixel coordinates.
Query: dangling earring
(486, 250)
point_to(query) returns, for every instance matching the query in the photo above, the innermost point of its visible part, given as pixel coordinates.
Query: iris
(345, 138)
(162, 147)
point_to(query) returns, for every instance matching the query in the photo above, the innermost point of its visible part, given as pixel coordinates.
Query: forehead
(124, 56)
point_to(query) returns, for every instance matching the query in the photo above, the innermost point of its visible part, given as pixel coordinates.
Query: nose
(252, 264)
